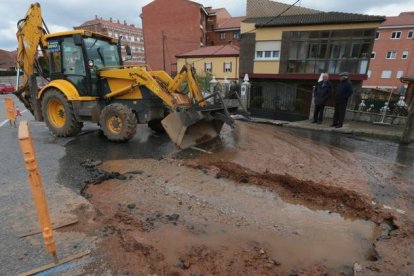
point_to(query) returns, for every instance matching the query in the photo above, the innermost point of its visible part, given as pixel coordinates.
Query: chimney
(125, 22)
(110, 19)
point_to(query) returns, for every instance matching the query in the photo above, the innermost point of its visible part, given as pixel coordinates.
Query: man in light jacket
(323, 91)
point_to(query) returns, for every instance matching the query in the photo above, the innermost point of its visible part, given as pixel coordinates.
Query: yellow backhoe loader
(89, 83)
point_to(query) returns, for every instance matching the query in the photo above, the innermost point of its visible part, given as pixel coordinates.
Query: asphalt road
(59, 161)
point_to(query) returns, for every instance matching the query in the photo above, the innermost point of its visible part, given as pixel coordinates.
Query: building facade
(392, 56)
(220, 61)
(173, 27)
(285, 55)
(130, 34)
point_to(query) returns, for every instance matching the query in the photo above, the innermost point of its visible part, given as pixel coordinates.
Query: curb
(391, 137)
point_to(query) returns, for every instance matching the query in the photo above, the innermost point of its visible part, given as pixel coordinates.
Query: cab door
(74, 66)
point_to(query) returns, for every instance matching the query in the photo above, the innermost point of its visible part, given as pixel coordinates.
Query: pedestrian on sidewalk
(323, 91)
(343, 93)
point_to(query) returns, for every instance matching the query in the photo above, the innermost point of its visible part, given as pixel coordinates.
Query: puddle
(292, 234)
(232, 220)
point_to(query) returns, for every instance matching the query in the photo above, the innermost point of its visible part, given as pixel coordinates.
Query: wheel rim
(56, 113)
(114, 124)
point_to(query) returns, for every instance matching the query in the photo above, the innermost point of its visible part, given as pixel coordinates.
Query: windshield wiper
(100, 55)
(93, 44)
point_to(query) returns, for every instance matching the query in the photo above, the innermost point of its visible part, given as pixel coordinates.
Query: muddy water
(229, 217)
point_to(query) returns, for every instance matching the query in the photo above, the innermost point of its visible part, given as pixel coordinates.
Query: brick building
(393, 53)
(131, 36)
(173, 27)
(7, 60)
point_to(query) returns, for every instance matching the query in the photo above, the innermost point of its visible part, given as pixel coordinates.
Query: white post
(245, 91)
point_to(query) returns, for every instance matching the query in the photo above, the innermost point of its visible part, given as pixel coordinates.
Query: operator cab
(76, 56)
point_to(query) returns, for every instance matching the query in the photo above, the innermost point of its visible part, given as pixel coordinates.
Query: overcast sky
(65, 14)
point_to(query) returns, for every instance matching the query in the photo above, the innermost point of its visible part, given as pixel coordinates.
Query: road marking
(6, 121)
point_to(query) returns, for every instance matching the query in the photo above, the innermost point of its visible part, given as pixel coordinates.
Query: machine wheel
(156, 126)
(59, 115)
(118, 122)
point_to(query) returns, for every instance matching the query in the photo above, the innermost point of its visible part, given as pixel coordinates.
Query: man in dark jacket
(323, 91)
(343, 93)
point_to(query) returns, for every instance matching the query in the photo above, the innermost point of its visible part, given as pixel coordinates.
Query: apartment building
(130, 34)
(285, 55)
(393, 53)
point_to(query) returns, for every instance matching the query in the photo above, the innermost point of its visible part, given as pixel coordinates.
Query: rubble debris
(97, 175)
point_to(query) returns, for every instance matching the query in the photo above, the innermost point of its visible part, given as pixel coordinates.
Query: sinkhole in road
(229, 217)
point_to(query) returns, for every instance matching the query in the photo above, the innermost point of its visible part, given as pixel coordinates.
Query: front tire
(118, 122)
(59, 115)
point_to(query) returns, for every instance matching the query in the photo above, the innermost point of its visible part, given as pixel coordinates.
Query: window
(222, 35)
(400, 74)
(208, 67)
(396, 35)
(373, 55)
(386, 74)
(268, 50)
(391, 55)
(369, 74)
(73, 61)
(236, 34)
(410, 35)
(377, 35)
(404, 55)
(227, 67)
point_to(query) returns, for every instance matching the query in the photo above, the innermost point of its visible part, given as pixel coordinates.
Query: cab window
(102, 52)
(73, 61)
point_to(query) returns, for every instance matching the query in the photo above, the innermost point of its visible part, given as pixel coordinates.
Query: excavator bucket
(188, 128)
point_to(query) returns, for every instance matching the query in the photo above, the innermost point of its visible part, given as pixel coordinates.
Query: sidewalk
(391, 132)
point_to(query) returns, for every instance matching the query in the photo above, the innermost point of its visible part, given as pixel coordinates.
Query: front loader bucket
(189, 128)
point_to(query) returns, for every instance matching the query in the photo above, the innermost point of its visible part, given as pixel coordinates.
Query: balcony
(331, 66)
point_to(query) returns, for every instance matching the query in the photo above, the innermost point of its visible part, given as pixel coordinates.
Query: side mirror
(128, 50)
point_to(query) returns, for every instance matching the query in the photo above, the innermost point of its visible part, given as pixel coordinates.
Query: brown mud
(265, 203)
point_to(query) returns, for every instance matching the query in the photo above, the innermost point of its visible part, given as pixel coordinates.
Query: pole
(38, 193)
(163, 49)
(409, 126)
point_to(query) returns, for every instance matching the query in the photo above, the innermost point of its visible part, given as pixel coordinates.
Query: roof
(80, 32)
(231, 23)
(265, 8)
(227, 50)
(8, 59)
(405, 18)
(113, 23)
(314, 19)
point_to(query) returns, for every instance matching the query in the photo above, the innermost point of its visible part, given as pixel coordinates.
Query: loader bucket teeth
(190, 128)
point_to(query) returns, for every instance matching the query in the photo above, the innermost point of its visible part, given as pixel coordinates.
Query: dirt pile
(332, 198)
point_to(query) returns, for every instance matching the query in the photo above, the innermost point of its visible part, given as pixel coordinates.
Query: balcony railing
(331, 66)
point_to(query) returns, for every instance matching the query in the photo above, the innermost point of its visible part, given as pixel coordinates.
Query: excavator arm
(30, 36)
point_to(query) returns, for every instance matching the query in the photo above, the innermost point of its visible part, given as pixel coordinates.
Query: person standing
(343, 93)
(323, 91)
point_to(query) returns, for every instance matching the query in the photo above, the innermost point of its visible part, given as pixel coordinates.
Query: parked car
(6, 88)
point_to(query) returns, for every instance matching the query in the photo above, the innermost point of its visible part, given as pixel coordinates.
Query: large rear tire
(118, 122)
(59, 115)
